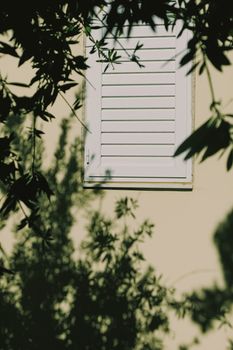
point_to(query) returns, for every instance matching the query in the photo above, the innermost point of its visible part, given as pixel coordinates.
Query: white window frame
(95, 173)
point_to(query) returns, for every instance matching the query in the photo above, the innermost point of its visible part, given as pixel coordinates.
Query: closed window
(137, 117)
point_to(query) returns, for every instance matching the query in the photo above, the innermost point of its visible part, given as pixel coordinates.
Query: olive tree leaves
(211, 26)
(212, 137)
(26, 189)
(212, 36)
(216, 134)
(47, 37)
(44, 39)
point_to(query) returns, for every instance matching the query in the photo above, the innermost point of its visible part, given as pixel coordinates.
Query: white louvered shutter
(138, 116)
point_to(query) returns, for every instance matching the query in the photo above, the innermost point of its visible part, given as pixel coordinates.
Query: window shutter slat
(149, 67)
(138, 126)
(168, 42)
(137, 150)
(145, 114)
(150, 138)
(144, 31)
(138, 102)
(139, 78)
(138, 90)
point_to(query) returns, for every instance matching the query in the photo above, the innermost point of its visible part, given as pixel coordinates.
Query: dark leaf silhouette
(209, 138)
(103, 292)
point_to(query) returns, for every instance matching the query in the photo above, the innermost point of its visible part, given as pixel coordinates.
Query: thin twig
(214, 102)
(194, 272)
(22, 209)
(33, 143)
(73, 111)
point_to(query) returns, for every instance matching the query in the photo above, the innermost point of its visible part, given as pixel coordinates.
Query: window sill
(166, 186)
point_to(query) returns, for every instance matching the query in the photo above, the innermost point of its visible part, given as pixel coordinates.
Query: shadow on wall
(211, 307)
(106, 299)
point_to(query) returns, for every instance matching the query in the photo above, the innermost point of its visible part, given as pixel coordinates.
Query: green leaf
(5, 147)
(26, 189)
(42, 184)
(38, 133)
(18, 84)
(49, 115)
(68, 86)
(216, 55)
(77, 104)
(3, 270)
(7, 172)
(8, 49)
(194, 66)
(24, 57)
(126, 206)
(23, 223)
(195, 142)
(219, 139)
(210, 138)
(187, 58)
(80, 62)
(202, 68)
(230, 160)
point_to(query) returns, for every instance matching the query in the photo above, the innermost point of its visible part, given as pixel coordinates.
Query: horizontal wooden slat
(158, 42)
(138, 78)
(134, 150)
(96, 33)
(144, 90)
(145, 31)
(135, 161)
(131, 42)
(138, 114)
(148, 55)
(132, 67)
(138, 102)
(138, 138)
(137, 126)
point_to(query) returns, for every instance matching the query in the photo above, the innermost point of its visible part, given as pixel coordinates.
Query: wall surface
(186, 220)
(182, 249)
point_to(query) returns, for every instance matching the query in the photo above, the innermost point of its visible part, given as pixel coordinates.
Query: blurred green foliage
(106, 298)
(47, 37)
(212, 306)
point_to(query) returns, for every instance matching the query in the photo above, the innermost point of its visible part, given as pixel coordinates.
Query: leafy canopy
(105, 298)
(46, 38)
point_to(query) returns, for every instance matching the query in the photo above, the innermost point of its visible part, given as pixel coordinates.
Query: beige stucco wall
(186, 220)
(181, 248)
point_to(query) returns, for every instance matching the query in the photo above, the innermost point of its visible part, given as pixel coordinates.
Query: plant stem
(211, 86)
(33, 143)
(73, 111)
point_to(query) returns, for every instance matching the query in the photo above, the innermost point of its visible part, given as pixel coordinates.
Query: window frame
(93, 140)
